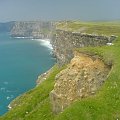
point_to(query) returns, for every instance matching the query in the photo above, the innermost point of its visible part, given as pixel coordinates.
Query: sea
(22, 60)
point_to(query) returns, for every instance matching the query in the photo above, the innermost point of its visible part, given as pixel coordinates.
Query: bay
(21, 61)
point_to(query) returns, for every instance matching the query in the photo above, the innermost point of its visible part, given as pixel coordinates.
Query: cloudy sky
(11, 10)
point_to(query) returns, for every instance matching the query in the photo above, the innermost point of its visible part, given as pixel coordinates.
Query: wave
(10, 97)
(5, 83)
(2, 88)
(9, 91)
(9, 106)
(44, 42)
(23, 37)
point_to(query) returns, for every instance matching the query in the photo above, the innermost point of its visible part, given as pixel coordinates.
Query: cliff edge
(83, 77)
(64, 43)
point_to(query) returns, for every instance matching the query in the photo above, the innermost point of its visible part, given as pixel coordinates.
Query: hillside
(103, 105)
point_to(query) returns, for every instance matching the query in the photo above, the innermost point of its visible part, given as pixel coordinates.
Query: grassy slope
(105, 28)
(34, 105)
(104, 106)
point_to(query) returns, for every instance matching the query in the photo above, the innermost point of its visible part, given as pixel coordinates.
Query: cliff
(6, 27)
(87, 88)
(34, 29)
(64, 43)
(85, 74)
(83, 77)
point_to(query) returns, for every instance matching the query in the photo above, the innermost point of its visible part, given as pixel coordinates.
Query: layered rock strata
(64, 42)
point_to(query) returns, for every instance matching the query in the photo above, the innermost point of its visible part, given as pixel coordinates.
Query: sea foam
(44, 42)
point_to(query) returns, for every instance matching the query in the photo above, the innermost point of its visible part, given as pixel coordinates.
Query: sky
(84, 10)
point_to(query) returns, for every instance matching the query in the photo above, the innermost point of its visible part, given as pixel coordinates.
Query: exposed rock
(6, 27)
(83, 77)
(64, 42)
(34, 29)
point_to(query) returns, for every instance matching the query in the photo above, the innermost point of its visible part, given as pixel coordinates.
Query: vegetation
(35, 104)
(105, 28)
(105, 105)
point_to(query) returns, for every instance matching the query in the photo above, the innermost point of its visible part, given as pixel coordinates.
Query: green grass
(105, 28)
(105, 105)
(34, 101)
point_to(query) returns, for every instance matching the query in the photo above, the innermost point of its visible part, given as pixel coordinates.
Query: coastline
(43, 42)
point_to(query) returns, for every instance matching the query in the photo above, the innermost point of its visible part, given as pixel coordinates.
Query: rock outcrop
(83, 77)
(64, 42)
(34, 29)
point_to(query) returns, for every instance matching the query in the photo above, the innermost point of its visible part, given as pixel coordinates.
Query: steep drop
(83, 77)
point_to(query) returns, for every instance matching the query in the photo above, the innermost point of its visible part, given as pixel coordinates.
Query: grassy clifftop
(105, 28)
(105, 105)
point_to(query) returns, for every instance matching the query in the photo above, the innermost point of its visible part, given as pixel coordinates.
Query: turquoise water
(21, 61)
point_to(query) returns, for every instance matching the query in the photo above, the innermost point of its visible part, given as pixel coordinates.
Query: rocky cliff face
(83, 77)
(34, 29)
(6, 27)
(65, 41)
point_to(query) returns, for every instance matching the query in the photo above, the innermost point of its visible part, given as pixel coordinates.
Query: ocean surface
(21, 61)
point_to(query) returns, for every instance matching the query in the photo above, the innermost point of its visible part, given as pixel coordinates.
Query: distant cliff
(6, 27)
(64, 42)
(34, 29)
